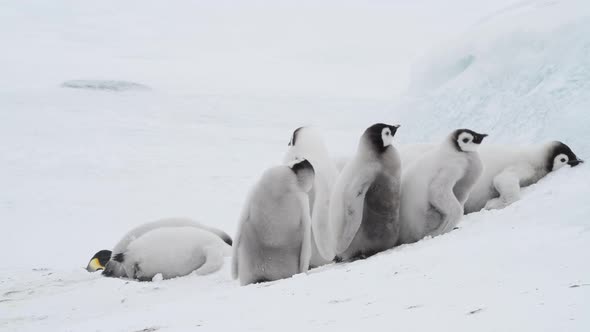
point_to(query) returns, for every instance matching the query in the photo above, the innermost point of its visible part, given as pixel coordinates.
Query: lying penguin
(507, 169)
(171, 247)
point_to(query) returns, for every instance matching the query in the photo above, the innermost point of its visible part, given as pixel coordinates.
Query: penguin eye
(562, 160)
(465, 140)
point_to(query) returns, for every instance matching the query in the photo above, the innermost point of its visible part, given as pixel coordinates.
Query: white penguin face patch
(386, 137)
(559, 161)
(465, 141)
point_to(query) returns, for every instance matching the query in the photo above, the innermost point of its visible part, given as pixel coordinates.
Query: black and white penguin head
(559, 156)
(380, 136)
(304, 172)
(99, 260)
(466, 140)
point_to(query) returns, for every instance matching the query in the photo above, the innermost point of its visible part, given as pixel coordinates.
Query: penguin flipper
(353, 200)
(305, 254)
(236, 243)
(223, 235)
(442, 198)
(507, 184)
(213, 261)
(320, 225)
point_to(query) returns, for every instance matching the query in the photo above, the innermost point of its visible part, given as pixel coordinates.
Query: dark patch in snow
(414, 307)
(104, 85)
(472, 312)
(578, 285)
(340, 301)
(12, 292)
(149, 329)
(32, 318)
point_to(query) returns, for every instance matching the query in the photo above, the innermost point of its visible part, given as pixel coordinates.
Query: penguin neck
(450, 146)
(367, 150)
(541, 155)
(278, 181)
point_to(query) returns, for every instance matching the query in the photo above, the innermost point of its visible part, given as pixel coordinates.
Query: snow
(521, 75)
(229, 83)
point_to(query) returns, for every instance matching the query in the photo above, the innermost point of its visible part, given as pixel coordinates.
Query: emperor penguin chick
(510, 168)
(114, 268)
(364, 206)
(173, 252)
(436, 186)
(307, 143)
(274, 233)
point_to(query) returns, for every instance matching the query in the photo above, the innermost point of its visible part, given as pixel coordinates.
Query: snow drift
(521, 75)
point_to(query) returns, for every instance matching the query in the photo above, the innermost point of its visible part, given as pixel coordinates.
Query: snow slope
(81, 167)
(502, 270)
(520, 75)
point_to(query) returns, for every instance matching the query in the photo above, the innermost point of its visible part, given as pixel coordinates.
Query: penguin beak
(479, 138)
(575, 162)
(94, 265)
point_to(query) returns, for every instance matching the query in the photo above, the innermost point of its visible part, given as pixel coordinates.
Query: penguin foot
(496, 204)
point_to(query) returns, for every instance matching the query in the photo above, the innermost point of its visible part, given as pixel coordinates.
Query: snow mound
(520, 75)
(104, 85)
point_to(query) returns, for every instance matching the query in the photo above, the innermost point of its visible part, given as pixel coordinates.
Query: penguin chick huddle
(306, 212)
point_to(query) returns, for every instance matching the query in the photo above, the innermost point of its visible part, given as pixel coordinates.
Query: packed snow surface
(229, 83)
